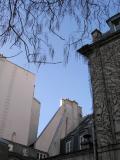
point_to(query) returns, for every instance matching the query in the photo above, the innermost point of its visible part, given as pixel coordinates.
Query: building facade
(34, 121)
(19, 110)
(14, 151)
(79, 143)
(104, 64)
(63, 122)
(81, 138)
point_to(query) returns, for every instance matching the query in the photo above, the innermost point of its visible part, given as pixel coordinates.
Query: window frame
(68, 146)
(116, 25)
(81, 141)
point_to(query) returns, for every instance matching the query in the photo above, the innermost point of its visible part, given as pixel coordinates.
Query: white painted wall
(16, 97)
(35, 113)
(64, 121)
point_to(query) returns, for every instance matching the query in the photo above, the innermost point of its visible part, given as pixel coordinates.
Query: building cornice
(87, 49)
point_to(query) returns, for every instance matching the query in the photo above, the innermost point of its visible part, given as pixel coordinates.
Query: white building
(19, 110)
(63, 122)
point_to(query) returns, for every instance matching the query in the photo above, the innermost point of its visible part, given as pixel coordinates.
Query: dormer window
(68, 146)
(116, 24)
(84, 141)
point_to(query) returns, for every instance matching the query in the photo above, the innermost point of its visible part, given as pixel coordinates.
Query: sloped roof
(83, 124)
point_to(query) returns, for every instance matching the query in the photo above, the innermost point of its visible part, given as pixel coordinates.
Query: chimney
(96, 35)
(68, 101)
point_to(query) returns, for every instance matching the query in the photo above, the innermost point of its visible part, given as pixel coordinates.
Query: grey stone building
(104, 64)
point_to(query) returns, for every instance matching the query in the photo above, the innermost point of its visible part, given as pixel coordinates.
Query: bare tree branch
(11, 56)
(27, 24)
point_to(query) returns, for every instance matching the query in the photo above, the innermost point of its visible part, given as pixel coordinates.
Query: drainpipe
(94, 141)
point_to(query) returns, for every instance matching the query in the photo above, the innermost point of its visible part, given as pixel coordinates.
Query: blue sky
(54, 82)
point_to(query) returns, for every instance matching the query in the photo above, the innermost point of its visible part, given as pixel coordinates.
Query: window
(38, 155)
(44, 156)
(116, 24)
(13, 137)
(82, 142)
(10, 147)
(25, 152)
(68, 146)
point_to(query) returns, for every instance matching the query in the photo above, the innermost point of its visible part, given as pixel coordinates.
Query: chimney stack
(96, 35)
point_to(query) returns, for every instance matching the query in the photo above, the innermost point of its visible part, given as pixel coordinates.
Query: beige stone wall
(16, 95)
(64, 121)
(46, 136)
(35, 113)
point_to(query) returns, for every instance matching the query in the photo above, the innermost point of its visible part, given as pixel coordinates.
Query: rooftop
(100, 38)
